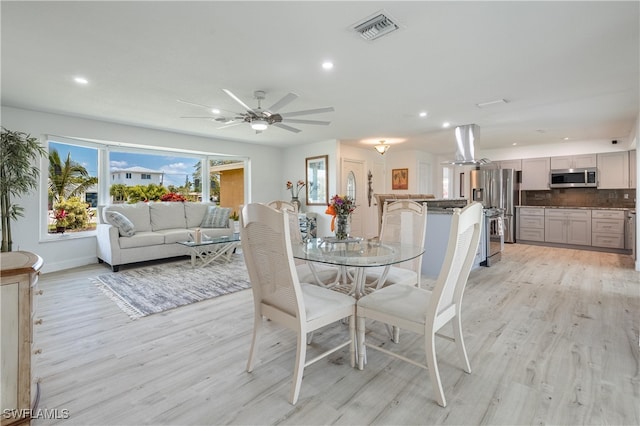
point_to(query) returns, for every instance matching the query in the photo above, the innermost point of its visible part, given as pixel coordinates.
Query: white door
(353, 184)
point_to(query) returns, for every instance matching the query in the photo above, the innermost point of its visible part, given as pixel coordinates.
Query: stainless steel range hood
(467, 138)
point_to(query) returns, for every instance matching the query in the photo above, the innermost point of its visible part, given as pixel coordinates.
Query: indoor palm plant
(19, 172)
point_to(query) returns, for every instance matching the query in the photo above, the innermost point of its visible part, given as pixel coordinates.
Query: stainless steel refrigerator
(498, 189)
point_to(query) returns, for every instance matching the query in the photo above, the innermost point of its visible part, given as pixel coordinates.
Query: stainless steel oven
(493, 235)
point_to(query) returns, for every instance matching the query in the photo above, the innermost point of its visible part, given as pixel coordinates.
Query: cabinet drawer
(532, 222)
(532, 234)
(608, 226)
(608, 240)
(607, 214)
(531, 211)
(568, 213)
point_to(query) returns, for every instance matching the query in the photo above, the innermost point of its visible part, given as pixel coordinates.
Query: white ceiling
(567, 69)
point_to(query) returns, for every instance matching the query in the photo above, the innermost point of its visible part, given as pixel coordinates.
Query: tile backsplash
(580, 197)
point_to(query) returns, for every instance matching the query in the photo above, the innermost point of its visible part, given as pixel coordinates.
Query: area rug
(151, 289)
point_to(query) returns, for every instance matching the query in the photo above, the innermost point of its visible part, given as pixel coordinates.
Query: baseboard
(68, 264)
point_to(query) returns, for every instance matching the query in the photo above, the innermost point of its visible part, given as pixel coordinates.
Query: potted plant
(19, 173)
(60, 215)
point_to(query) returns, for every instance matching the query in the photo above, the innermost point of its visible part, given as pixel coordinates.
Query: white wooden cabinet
(510, 164)
(568, 226)
(530, 224)
(574, 161)
(535, 173)
(607, 228)
(633, 171)
(613, 170)
(19, 391)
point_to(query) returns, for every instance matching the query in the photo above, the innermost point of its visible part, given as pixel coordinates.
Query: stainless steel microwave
(574, 178)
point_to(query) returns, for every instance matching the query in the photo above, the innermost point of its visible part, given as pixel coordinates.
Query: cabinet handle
(39, 292)
(37, 351)
(38, 321)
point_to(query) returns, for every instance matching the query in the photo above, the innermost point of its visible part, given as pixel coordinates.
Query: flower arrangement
(340, 206)
(295, 190)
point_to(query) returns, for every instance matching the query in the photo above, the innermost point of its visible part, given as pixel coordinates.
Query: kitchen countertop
(573, 207)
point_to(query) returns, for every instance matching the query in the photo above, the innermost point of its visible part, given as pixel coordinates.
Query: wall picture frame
(400, 179)
(317, 176)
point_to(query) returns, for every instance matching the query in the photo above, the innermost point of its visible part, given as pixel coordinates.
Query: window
(145, 176)
(127, 176)
(72, 183)
(447, 182)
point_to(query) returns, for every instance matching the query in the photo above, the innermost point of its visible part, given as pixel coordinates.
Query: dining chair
(321, 274)
(279, 296)
(405, 222)
(426, 312)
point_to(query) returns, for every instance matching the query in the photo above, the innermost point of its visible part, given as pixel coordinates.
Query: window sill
(51, 238)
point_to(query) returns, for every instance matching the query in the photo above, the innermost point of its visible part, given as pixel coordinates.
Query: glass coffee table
(210, 249)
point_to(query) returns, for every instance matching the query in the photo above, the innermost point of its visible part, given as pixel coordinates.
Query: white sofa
(158, 227)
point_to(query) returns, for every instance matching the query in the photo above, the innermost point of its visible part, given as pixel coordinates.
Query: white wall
(264, 183)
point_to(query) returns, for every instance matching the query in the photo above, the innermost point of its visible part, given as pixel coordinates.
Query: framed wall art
(317, 180)
(400, 179)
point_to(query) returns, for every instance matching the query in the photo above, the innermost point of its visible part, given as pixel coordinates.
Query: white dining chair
(426, 312)
(279, 296)
(405, 222)
(321, 274)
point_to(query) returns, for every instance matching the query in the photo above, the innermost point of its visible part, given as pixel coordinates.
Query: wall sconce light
(381, 147)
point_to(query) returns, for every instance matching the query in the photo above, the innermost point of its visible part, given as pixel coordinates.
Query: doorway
(353, 185)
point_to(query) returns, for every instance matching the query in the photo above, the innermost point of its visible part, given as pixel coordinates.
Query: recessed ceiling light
(215, 111)
(566, 139)
(446, 124)
(327, 65)
(423, 114)
(81, 80)
(515, 143)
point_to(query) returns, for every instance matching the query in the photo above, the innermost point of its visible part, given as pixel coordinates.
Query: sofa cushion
(141, 239)
(172, 236)
(138, 214)
(167, 215)
(120, 221)
(194, 213)
(216, 217)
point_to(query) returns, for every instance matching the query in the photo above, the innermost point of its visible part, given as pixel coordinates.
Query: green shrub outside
(77, 217)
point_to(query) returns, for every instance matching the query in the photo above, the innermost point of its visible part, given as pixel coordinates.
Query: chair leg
(360, 340)
(257, 331)
(352, 335)
(462, 351)
(434, 373)
(299, 367)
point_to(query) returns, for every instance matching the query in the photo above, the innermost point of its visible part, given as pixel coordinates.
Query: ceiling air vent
(375, 27)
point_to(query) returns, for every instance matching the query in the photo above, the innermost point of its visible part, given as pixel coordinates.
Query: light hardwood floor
(552, 337)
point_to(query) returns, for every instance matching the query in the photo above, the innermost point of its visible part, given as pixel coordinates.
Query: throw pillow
(120, 221)
(216, 217)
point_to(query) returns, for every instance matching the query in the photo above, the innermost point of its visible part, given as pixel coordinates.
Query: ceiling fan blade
(286, 100)
(294, 120)
(193, 103)
(193, 116)
(237, 99)
(285, 127)
(308, 111)
(235, 123)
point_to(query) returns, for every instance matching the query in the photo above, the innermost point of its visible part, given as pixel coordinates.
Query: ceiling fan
(260, 119)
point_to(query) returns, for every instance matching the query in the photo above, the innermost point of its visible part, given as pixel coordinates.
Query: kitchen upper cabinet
(535, 173)
(574, 161)
(510, 164)
(613, 170)
(633, 171)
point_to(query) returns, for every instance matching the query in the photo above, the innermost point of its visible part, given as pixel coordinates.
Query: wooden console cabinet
(19, 391)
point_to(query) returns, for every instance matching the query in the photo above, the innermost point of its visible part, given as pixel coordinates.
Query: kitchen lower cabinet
(607, 227)
(530, 222)
(568, 226)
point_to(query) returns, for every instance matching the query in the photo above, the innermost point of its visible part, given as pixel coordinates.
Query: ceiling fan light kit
(381, 148)
(259, 125)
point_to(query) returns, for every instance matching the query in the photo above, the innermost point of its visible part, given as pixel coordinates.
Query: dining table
(353, 256)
